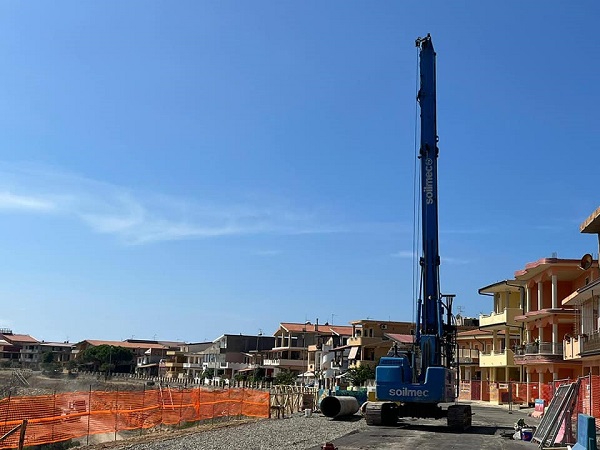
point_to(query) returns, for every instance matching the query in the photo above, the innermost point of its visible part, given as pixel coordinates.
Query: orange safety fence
(64, 416)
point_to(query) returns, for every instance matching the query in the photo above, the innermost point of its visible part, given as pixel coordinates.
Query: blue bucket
(526, 434)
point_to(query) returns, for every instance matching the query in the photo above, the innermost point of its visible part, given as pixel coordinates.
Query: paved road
(489, 426)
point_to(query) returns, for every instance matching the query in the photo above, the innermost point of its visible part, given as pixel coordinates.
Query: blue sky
(185, 169)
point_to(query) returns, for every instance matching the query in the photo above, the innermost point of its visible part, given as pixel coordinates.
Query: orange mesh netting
(59, 417)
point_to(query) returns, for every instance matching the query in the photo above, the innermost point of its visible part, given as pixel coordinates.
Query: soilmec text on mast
(414, 383)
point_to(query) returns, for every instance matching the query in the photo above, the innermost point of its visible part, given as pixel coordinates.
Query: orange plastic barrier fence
(59, 417)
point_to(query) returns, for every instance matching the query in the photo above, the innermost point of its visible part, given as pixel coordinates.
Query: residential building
(546, 321)
(29, 348)
(9, 353)
(323, 363)
(369, 342)
(497, 356)
(62, 352)
(194, 359)
(583, 344)
(290, 350)
(228, 354)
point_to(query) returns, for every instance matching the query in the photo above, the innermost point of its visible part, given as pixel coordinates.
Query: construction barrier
(65, 416)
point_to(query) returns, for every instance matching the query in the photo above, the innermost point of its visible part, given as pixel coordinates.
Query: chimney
(317, 325)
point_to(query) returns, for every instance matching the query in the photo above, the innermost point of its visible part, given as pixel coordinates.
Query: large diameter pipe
(339, 406)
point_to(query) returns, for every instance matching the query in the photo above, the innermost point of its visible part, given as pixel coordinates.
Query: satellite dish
(586, 261)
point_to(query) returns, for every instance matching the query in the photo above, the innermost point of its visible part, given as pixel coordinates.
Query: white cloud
(404, 254)
(268, 252)
(141, 217)
(455, 261)
(11, 201)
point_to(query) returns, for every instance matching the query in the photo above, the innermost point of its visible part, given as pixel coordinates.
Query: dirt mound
(36, 383)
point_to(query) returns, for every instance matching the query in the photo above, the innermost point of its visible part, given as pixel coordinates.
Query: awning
(353, 353)
(583, 294)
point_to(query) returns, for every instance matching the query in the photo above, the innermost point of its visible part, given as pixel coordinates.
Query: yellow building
(369, 341)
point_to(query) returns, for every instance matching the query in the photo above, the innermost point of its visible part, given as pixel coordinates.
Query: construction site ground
(492, 425)
(492, 428)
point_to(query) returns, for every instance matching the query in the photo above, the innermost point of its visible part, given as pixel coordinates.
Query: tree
(258, 375)
(285, 376)
(49, 367)
(359, 375)
(105, 358)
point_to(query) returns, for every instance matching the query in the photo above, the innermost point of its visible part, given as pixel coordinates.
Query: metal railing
(540, 348)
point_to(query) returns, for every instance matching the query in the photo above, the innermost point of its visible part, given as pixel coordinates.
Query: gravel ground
(295, 433)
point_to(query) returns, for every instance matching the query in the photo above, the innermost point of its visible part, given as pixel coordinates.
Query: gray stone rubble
(294, 433)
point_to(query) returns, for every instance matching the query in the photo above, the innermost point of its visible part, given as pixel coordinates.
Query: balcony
(590, 344)
(539, 351)
(188, 365)
(468, 356)
(500, 319)
(499, 358)
(291, 363)
(338, 364)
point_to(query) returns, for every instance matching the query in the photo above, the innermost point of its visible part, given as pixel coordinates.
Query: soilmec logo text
(429, 181)
(406, 392)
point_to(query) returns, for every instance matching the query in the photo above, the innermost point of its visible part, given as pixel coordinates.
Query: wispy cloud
(141, 217)
(455, 261)
(403, 254)
(8, 200)
(268, 252)
(411, 255)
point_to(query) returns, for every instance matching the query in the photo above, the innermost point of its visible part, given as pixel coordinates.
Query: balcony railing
(541, 348)
(590, 343)
(467, 355)
(505, 317)
(497, 358)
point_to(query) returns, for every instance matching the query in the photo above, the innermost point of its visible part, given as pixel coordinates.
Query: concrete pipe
(339, 406)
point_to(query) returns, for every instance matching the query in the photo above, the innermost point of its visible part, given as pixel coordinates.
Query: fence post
(89, 415)
(590, 391)
(180, 405)
(53, 412)
(22, 434)
(143, 413)
(116, 412)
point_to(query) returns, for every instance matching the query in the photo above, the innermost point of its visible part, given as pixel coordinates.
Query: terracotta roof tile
(402, 338)
(19, 338)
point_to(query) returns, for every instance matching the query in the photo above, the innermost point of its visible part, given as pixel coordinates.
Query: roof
(502, 286)
(124, 344)
(308, 327)
(568, 269)
(582, 294)
(388, 322)
(547, 312)
(484, 333)
(19, 338)
(342, 330)
(401, 338)
(57, 344)
(592, 223)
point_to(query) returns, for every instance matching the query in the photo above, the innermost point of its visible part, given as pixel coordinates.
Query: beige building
(369, 341)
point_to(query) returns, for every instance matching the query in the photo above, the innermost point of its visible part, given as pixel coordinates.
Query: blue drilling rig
(415, 383)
